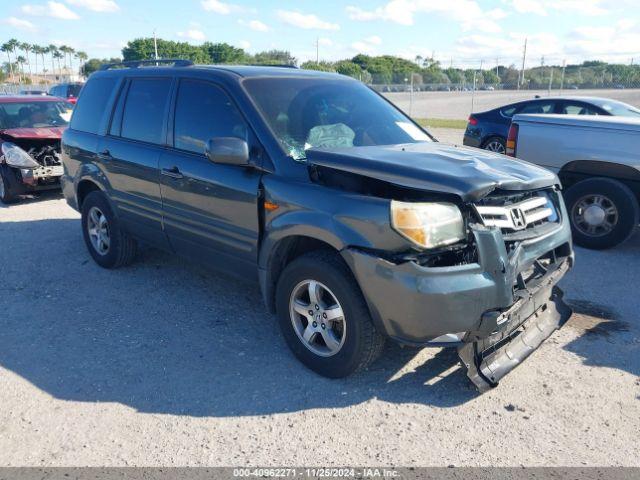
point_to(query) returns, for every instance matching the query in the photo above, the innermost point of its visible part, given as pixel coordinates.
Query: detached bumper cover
(519, 331)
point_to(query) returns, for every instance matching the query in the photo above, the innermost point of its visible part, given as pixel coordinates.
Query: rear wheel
(603, 212)
(323, 316)
(495, 144)
(109, 245)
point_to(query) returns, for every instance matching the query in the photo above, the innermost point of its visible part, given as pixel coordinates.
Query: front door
(210, 211)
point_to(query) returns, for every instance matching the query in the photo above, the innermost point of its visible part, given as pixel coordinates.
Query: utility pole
(317, 50)
(524, 58)
(564, 66)
(550, 80)
(155, 44)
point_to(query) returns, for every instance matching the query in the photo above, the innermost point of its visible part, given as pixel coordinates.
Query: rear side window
(509, 111)
(538, 107)
(145, 108)
(204, 111)
(92, 105)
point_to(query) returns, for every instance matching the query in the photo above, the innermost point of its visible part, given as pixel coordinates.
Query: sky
(461, 33)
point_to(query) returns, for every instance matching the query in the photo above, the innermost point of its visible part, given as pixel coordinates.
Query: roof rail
(277, 65)
(176, 62)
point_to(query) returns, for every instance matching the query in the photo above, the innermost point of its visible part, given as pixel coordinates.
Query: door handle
(105, 155)
(173, 172)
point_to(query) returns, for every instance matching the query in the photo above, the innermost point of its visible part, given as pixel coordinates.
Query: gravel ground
(164, 364)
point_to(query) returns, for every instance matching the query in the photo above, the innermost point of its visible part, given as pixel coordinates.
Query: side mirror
(228, 151)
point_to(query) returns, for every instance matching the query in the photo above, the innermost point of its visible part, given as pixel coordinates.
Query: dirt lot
(163, 363)
(457, 105)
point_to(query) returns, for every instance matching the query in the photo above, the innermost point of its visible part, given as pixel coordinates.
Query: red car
(30, 132)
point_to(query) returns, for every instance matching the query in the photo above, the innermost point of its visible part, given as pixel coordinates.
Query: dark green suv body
(357, 224)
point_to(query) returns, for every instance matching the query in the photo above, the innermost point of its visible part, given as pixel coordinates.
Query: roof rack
(176, 62)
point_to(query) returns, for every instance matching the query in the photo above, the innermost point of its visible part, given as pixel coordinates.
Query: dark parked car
(30, 131)
(69, 91)
(357, 224)
(489, 129)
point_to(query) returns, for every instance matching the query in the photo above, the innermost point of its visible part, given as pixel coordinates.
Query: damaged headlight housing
(17, 157)
(429, 225)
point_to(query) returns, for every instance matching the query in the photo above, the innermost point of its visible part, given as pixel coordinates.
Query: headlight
(429, 225)
(17, 157)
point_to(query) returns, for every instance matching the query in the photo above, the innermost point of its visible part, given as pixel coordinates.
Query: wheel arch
(577, 170)
(84, 188)
(282, 252)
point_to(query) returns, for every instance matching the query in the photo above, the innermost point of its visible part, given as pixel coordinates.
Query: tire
(607, 197)
(495, 144)
(6, 194)
(360, 344)
(121, 249)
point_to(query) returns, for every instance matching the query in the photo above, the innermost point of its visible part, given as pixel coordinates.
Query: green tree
(94, 64)
(224, 53)
(274, 57)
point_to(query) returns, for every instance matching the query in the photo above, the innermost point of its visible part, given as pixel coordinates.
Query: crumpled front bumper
(502, 325)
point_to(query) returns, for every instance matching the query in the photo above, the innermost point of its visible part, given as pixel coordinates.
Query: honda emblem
(518, 219)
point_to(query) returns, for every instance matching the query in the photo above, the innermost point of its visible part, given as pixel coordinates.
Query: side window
(570, 108)
(509, 111)
(144, 109)
(92, 105)
(204, 111)
(538, 107)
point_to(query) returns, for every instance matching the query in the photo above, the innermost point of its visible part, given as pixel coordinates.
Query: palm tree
(20, 60)
(51, 50)
(71, 52)
(58, 55)
(6, 48)
(82, 57)
(65, 50)
(35, 50)
(26, 48)
(13, 45)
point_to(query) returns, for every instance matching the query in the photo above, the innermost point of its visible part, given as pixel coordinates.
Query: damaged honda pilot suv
(359, 226)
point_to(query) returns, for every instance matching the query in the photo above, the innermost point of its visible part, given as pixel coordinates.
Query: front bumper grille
(521, 216)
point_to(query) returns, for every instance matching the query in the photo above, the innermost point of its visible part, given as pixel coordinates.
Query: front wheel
(109, 245)
(324, 317)
(603, 212)
(6, 195)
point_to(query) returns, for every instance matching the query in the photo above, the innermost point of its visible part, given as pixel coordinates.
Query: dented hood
(436, 167)
(40, 133)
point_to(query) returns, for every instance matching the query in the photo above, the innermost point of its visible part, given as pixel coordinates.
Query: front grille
(514, 213)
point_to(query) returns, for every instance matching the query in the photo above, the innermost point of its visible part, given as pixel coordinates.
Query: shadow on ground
(163, 336)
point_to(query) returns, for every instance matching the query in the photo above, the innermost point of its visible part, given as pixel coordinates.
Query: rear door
(210, 210)
(131, 153)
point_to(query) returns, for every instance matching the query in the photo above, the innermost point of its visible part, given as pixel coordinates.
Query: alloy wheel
(317, 318)
(98, 230)
(495, 146)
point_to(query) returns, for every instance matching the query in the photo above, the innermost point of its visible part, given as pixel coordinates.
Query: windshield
(34, 114)
(308, 112)
(619, 108)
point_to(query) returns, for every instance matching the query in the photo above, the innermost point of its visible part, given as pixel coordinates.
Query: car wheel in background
(6, 195)
(603, 212)
(324, 317)
(108, 244)
(495, 144)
